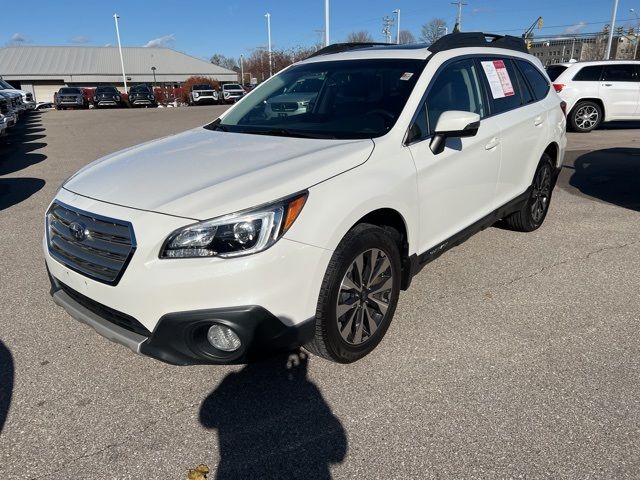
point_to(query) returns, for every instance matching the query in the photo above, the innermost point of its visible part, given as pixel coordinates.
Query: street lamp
(153, 69)
(635, 53)
(326, 23)
(611, 29)
(397, 12)
(268, 15)
(124, 77)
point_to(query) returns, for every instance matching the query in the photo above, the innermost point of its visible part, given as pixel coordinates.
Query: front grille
(109, 314)
(92, 245)
(29, 96)
(4, 107)
(68, 99)
(284, 107)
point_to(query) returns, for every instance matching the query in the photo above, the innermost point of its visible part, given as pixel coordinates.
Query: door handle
(495, 141)
(607, 85)
(538, 121)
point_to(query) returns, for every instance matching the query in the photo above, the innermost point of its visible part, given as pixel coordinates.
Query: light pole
(241, 69)
(124, 77)
(611, 29)
(326, 23)
(268, 15)
(397, 12)
(153, 69)
(635, 52)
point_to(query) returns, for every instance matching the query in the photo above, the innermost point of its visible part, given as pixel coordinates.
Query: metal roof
(80, 63)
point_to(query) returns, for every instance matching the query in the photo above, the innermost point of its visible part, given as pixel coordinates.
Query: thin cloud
(80, 40)
(577, 28)
(477, 11)
(165, 41)
(19, 39)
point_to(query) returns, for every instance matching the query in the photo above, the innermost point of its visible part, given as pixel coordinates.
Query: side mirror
(454, 124)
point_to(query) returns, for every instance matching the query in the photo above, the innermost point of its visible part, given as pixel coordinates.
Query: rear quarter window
(554, 71)
(536, 79)
(588, 74)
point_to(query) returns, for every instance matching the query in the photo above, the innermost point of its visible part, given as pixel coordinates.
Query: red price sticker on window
(498, 77)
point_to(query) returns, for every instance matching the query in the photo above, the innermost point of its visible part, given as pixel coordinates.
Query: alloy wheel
(541, 193)
(364, 296)
(586, 117)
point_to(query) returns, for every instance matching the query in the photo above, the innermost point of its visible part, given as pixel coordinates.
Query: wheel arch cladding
(553, 151)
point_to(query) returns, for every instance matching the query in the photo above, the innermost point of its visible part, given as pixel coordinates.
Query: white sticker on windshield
(406, 76)
(498, 77)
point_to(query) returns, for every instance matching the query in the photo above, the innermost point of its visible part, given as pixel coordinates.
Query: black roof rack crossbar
(478, 39)
(344, 47)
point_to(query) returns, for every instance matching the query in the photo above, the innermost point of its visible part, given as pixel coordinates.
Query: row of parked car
(141, 96)
(13, 103)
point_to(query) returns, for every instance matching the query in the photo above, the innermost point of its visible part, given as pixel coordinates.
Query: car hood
(202, 173)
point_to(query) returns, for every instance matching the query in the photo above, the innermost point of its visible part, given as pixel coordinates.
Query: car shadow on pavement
(6, 382)
(272, 422)
(611, 175)
(18, 146)
(16, 190)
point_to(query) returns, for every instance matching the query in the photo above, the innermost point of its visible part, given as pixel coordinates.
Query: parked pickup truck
(27, 97)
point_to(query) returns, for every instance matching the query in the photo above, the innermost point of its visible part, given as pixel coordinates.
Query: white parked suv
(261, 233)
(596, 92)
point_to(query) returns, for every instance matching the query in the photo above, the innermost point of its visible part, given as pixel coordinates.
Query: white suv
(598, 92)
(261, 233)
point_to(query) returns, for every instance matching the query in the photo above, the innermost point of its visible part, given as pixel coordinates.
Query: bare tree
(224, 61)
(406, 37)
(359, 37)
(433, 30)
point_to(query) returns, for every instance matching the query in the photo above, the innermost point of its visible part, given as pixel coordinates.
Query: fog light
(223, 338)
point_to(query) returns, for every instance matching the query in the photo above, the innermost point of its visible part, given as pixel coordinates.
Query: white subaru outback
(260, 232)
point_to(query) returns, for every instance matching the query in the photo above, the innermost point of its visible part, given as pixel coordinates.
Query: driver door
(456, 187)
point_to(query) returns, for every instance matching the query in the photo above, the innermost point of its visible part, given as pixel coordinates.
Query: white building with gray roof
(43, 70)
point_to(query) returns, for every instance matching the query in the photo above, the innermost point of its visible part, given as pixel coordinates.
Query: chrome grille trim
(105, 252)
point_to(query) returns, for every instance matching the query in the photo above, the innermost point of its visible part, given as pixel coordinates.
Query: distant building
(43, 70)
(584, 47)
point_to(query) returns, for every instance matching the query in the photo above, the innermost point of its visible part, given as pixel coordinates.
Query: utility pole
(458, 26)
(268, 15)
(326, 23)
(124, 76)
(607, 54)
(241, 69)
(387, 22)
(397, 12)
(635, 52)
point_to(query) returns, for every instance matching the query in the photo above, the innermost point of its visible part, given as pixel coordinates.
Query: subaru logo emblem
(78, 231)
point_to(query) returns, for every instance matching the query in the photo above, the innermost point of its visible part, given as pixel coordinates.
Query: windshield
(4, 84)
(345, 99)
(554, 71)
(202, 87)
(140, 88)
(232, 86)
(67, 91)
(106, 90)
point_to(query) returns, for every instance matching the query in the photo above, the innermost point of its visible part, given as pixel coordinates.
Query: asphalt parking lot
(511, 356)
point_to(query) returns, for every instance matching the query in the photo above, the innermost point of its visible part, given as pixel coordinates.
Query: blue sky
(231, 27)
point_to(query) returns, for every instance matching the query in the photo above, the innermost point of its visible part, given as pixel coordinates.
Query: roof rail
(478, 39)
(345, 47)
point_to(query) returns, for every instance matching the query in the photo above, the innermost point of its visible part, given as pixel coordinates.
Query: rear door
(620, 90)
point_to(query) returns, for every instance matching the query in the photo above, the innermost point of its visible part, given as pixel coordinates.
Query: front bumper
(164, 300)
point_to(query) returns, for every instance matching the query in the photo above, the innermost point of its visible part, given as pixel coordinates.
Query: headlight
(242, 233)
(196, 94)
(116, 98)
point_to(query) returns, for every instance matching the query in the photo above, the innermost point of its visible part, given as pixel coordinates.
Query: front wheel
(585, 116)
(534, 211)
(359, 295)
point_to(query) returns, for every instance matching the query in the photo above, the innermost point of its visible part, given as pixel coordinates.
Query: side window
(538, 82)
(457, 87)
(503, 86)
(588, 74)
(527, 96)
(619, 73)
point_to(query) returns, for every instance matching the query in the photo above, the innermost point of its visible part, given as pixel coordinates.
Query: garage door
(43, 91)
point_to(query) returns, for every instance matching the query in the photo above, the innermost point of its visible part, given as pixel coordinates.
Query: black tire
(585, 116)
(531, 216)
(381, 246)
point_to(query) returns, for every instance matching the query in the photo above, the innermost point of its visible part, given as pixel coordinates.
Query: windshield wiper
(283, 132)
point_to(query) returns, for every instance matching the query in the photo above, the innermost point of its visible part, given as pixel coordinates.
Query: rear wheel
(585, 116)
(359, 295)
(534, 211)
